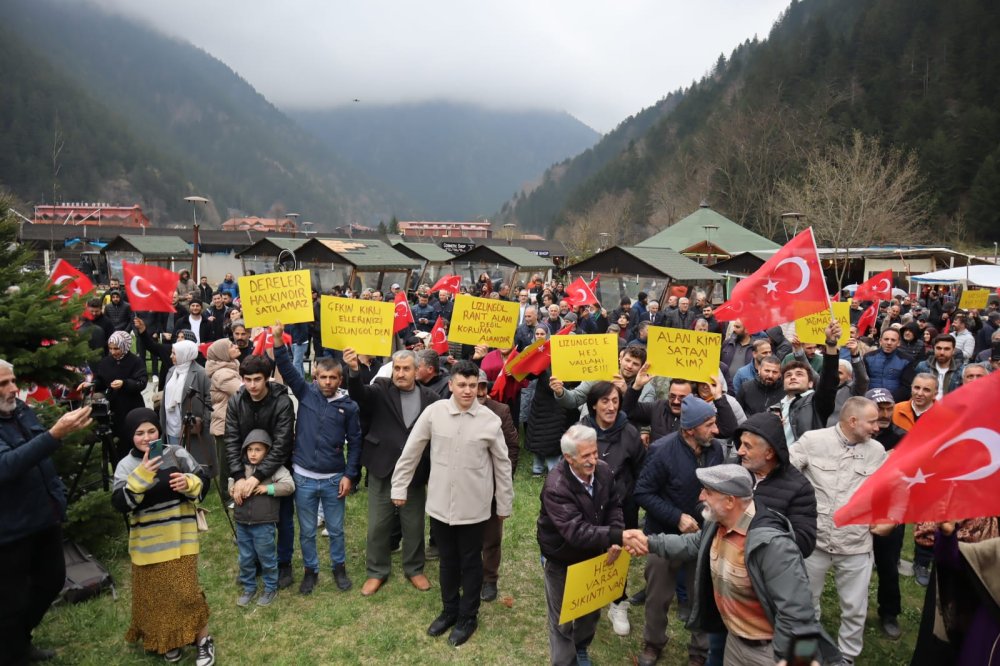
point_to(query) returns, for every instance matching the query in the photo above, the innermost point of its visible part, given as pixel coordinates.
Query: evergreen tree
(394, 225)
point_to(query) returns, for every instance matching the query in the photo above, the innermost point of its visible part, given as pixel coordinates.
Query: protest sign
(683, 354)
(483, 321)
(284, 297)
(811, 329)
(974, 299)
(592, 584)
(577, 358)
(364, 326)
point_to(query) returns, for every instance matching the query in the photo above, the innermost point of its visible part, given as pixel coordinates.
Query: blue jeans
(540, 464)
(299, 355)
(308, 495)
(256, 544)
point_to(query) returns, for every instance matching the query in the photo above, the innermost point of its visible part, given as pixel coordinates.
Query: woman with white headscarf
(187, 392)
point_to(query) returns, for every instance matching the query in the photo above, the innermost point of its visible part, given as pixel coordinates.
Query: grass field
(333, 627)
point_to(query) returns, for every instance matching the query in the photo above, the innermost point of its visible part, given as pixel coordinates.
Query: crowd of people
(727, 487)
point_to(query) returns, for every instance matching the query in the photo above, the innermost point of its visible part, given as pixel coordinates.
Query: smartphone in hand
(155, 449)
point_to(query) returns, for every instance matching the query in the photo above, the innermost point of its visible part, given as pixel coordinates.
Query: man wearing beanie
(668, 489)
(750, 578)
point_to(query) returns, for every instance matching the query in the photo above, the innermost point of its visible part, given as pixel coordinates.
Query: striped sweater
(162, 524)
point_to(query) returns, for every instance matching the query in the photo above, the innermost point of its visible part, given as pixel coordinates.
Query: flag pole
(829, 305)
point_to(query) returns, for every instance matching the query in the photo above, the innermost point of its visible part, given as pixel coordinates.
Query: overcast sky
(601, 61)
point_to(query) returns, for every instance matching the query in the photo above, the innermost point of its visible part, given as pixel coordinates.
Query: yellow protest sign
(974, 299)
(483, 321)
(577, 358)
(683, 354)
(270, 297)
(593, 584)
(811, 330)
(364, 326)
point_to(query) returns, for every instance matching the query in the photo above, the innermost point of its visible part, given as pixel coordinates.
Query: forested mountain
(918, 75)
(452, 161)
(152, 119)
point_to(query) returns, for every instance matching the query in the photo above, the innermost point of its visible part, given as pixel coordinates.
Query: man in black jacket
(663, 416)
(763, 451)
(764, 390)
(391, 407)
(804, 408)
(268, 406)
(580, 518)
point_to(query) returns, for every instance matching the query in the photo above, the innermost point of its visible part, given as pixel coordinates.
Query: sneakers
(618, 614)
(308, 583)
(173, 656)
(340, 576)
(922, 573)
(890, 627)
(488, 592)
(267, 598)
(284, 576)
(246, 596)
(206, 652)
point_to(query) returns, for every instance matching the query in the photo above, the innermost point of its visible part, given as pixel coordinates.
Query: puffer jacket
(547, 421)
(835, 468)
(572, 525)
(621, 447)
(785, 489)
(224, 375)
(262, 509)
(274, 414)
(893, 372)
(32, 496)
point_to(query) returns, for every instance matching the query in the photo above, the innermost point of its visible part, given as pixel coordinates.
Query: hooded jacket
(784, 489)
(622, 449)
(915, 349)
(224, 377)
(777, 574)
(273, 414)
(262, 509)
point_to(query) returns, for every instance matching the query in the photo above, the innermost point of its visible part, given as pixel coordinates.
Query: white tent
(983, 276)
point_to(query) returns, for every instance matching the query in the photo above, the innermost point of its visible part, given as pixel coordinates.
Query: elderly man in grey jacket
(749, 578)
(469, 467)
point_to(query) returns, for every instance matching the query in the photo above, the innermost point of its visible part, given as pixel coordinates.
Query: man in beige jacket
(469, 464)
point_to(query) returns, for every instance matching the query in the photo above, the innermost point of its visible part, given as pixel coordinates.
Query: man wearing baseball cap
(750, 578)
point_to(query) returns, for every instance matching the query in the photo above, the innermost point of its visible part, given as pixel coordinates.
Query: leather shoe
(650, 655)
(488, 592)
(441, 624)
(463, 631)
(371, 586)
(420, 582)
(890, 626)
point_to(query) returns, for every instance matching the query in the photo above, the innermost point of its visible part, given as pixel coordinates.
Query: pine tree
(38, 330)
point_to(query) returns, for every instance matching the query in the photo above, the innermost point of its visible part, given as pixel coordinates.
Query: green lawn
(333, 627)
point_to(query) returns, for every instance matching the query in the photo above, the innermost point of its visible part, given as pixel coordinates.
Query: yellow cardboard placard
(483, 321)
(593, 584)
(270, 297)
(364, 326)
(683, 354)
(810, 330)
(577, 358)
(974, 299)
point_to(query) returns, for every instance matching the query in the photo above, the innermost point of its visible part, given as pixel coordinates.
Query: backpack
(85, 577)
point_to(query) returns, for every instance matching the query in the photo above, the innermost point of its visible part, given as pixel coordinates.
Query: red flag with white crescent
(72, 281)
(536, 357)
(402, 316)
(868, 317)
(449, 283)
(265, 341)
(149, 288)
(876, 288)
(593, 283)
(946, 468)
(579, 293)
(38, 393)
(790, 285)
(439, 337)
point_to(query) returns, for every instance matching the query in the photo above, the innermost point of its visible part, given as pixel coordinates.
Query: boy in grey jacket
(256, 522)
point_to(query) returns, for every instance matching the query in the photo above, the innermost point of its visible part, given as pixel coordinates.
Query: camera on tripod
(100, 411)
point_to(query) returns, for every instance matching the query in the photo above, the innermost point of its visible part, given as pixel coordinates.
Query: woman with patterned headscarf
(186, 408)
(223, 370)
(121, 377)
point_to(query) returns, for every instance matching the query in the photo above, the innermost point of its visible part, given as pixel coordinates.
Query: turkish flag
(149, 288)
(536, 357)
(579, 293)
(449, 283)
(876, 288)
(402, 317)
(789, 286)
(265, 341)
(40, 394)
(946, 468)
(439, 337)
(593, 284)
(867, 319)
(72, 281)
(835, 298)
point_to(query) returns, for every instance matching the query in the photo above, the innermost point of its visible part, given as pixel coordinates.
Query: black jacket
(572, 525)
(132, 371)
(548, 420)
(785, 489)
(274, 414)
(622, 449)
(678, 319)
(387, 432)
(661, 420)
(754, 397)
(810, 412)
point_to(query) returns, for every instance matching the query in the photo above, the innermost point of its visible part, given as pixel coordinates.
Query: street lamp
(794, 216)
(194, 201)
(709, 228)
(605, 237)
(293, 218)
(508, 232)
